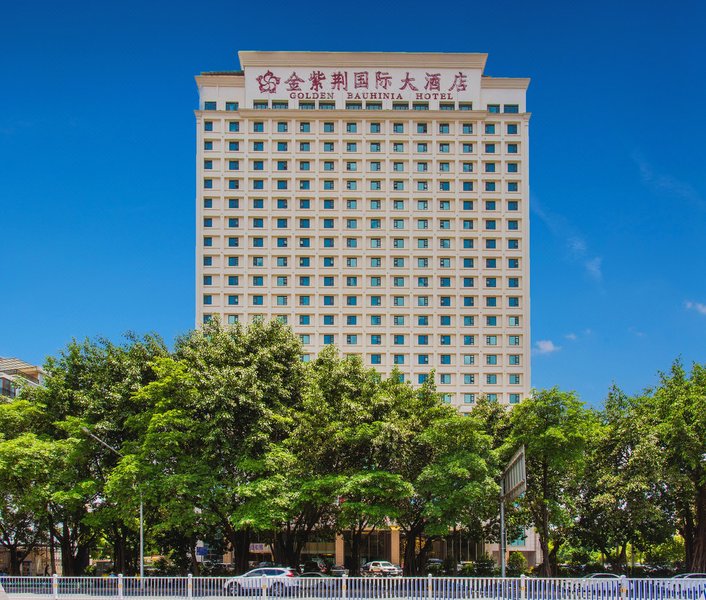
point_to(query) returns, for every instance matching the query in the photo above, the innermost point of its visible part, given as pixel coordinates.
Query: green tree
(28, 465)
(449, 462)
(91, 383)
(216, 409)
(555, 428)
(623, 498)
(676, 410)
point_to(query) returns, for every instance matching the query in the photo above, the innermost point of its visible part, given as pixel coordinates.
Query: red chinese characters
(459, 83)
(433, 82)
(339, 80)
(383, 80)
(360, 80)
(293, 82)
(316, 79)
(407, 83)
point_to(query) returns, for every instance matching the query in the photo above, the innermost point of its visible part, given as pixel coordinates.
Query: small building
(15, 373)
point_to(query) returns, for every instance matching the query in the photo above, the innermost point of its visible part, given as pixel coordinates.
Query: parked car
(278, 581)
(688, 584)
(338, 571)
(381, 568)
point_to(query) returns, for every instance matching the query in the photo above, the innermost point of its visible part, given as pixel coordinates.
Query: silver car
(278, 581)
(381, 568)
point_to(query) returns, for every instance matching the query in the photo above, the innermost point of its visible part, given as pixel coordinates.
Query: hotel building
(375, 201)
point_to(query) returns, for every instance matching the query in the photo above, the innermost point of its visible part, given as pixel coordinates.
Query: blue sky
(97, 163)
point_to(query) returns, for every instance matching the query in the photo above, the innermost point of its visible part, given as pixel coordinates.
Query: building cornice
(235, 80)
(504, 83)
(448, 60)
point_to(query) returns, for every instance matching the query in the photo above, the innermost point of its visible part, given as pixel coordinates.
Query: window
(375, 359)
(512, 128)
(511, 108)
(233, 146)
(208, 125)
(514, 379)
(491, 379)
(208, 145)
(493, 108)
(512, 148)
(445, 379)
(443, 128)
(375, 128)
(490, 128)
(305, 127)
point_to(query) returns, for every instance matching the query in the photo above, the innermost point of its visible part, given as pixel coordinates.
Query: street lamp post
(142, 522)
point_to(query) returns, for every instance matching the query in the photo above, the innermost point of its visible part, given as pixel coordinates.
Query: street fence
(350, 588)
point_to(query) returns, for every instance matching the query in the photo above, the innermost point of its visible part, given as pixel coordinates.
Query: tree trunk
(15, 564)
(687, 532)
(698, 560)
(240, 544)
(409, 552)
(195, 567)
(119, 551)
(52, 552)
(414, 563)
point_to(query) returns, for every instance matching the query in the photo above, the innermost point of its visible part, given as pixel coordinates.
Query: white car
(381, 568)
(278, 581)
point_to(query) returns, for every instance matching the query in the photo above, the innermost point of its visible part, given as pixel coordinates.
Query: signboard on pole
(514, 478)
(513, 483)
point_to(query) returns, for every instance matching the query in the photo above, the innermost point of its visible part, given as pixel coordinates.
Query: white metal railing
(350, 588)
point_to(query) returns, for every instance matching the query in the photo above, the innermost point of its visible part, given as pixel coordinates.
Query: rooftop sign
(304, 83)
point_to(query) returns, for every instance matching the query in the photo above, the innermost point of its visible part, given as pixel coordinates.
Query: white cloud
(546, 347)
(571, 336)
(593, 266)
(576, 245)
(697, 306)
(661, 182)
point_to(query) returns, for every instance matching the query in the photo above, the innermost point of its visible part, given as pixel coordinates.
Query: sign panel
(514, 478)
(350, 84)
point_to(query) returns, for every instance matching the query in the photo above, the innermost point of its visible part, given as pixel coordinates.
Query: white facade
(376, 201)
